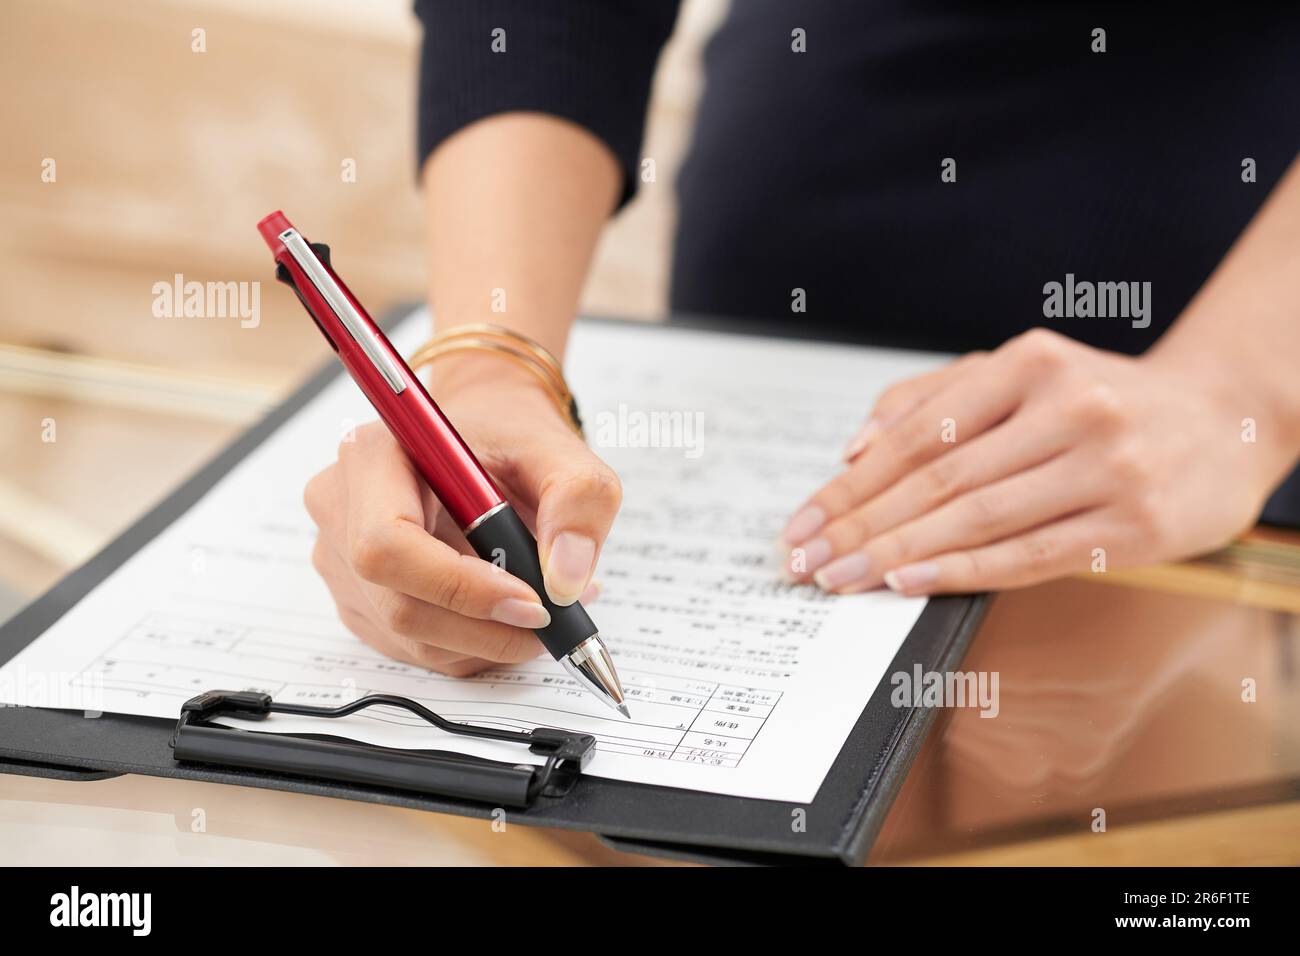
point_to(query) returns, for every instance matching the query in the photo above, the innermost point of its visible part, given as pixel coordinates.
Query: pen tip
(622, 709)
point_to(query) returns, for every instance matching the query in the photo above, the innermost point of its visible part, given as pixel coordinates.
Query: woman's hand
(403, 577)
(1043, 458)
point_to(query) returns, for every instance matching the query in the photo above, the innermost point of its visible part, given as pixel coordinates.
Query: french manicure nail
(911, 578)
(842, 572)
(861, 440)
(569, 566)
(517, 613)
(805, 523)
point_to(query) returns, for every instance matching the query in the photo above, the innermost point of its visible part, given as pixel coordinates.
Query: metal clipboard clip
(325, 757)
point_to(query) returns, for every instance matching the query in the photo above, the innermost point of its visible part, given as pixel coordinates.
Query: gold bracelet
(522, 350)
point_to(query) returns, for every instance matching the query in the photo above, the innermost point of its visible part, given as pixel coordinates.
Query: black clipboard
(838, 826)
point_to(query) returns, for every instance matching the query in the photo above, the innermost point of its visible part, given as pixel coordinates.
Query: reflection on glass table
(1137, 722)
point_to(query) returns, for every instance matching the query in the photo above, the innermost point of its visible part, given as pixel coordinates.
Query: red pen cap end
(271, 226)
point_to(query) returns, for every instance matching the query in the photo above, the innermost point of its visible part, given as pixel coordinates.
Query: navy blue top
(823, 170)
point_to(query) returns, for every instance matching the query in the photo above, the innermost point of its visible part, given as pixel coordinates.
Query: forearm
(515, 204)
(1241, 333)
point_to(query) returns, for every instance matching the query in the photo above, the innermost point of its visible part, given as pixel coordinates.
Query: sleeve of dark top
(588, 61)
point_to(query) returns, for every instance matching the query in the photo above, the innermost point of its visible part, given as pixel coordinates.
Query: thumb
(577, 496)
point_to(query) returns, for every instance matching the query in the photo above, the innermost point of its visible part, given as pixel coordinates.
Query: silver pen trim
(484, 516)
(357, 326)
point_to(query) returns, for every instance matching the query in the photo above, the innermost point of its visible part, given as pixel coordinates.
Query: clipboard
(838, 826)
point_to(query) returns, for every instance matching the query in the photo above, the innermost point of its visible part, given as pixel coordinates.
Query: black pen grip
(506, 541)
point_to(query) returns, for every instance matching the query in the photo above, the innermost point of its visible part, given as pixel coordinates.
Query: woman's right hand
(403, 577)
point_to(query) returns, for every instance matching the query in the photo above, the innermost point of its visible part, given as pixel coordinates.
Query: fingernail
(591, 594)
(517, 613)
(569, 566)
(807, 558)
(861, 440)
(911, 578)
(843, 572)
(804, 524)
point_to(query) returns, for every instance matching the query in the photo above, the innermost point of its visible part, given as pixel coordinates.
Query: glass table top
(1125, 701)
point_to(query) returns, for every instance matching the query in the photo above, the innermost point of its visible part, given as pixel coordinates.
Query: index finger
(965, 408)
(901, 397)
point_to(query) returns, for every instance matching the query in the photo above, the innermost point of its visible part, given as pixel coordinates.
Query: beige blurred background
(163, 159)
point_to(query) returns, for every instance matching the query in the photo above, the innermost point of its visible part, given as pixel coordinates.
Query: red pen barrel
(435, 448)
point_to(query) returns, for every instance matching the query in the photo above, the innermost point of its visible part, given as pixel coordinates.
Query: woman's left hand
(1043, 458)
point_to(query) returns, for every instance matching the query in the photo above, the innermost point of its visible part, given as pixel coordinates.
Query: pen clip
(282, 274)
(357, 326)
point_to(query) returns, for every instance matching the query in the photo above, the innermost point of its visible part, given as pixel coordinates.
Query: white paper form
(736, 683)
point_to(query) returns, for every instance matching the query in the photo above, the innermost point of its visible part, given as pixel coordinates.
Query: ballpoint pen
(438, 453)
